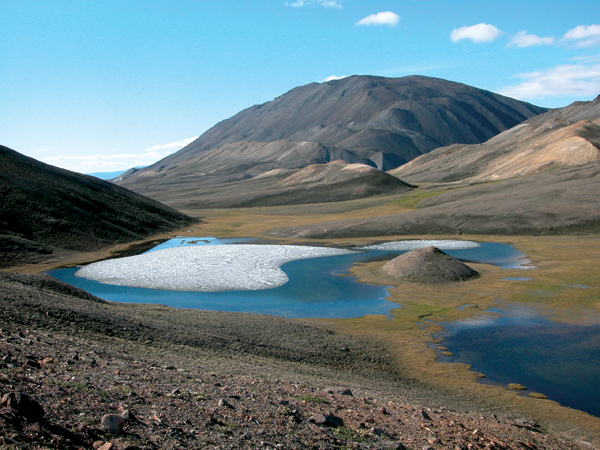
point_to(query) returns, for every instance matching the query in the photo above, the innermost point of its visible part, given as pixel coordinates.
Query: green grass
(312, 399)
(412, 202)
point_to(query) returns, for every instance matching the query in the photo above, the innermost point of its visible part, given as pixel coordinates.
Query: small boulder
(428, 265)
(113, 423)
(326, 420)
(23, 405)
(225, 404)
(339, 391)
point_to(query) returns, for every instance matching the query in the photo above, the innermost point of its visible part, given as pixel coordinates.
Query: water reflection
(518, 345)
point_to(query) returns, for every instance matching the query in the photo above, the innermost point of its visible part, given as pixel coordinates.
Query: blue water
(315, 289)
(559, 360)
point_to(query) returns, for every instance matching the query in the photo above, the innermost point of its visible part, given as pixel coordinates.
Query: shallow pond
(317, 287)
(558, 360)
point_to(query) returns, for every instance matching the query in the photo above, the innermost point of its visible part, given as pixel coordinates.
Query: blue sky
(105, 85)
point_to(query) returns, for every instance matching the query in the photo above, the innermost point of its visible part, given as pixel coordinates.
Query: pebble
(225, 404)
(89, 360)
(424, 415)
(378, 432)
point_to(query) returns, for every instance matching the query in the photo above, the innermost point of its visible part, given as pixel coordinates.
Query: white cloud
(117, 161)
(482, 32)
(522, 39)
(383, 18)
(584, 35)
(172, 146)
(335, 77)
(568, 80)
(323, 3)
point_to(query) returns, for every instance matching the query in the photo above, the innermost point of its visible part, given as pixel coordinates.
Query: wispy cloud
(479, 33)
(323, 3)
(522, 39)
(568, 80)
(173, 146)
(335, 77)
(383, 18)
(583, 36)
(117, 161)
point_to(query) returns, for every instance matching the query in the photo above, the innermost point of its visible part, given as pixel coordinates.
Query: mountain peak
(378, 121)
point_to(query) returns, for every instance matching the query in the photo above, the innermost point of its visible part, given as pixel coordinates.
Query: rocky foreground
(106, 386)
(61, 393)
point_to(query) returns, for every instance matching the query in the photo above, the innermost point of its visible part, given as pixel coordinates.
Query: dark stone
(424, 415)
(89, 360)
(326, 420)
(24, 406)
(339, 391)
(113, 422)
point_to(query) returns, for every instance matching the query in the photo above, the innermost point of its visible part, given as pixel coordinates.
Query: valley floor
(195, 379)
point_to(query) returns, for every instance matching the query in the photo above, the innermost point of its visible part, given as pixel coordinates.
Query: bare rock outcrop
(428, 265)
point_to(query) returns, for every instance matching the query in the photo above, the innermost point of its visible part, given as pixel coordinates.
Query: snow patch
(205, 268)
(422, 243)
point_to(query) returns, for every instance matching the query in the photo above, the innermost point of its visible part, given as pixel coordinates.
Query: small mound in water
(428, 265)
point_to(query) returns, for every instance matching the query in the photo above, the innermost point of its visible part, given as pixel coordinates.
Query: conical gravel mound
(428, 265)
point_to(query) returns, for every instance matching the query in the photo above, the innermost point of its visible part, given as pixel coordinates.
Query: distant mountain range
(44, 209)
(375, 121)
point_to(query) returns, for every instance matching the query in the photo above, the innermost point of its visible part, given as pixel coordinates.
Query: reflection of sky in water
(517, 345)
(511, 345)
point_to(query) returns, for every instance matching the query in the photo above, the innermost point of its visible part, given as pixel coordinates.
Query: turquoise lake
(317, 287)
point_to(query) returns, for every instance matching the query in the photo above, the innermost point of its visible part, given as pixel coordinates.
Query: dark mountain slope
(560, 138)
(382, 122)
(43, 208)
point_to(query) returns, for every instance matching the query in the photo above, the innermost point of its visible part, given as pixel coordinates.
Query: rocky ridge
(561, 138)
(336, 181)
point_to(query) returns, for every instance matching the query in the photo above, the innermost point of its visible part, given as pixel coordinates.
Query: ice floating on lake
(205, 268)
(421, 243)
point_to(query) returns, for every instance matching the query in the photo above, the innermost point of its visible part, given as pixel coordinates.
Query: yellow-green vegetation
(412, 201)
